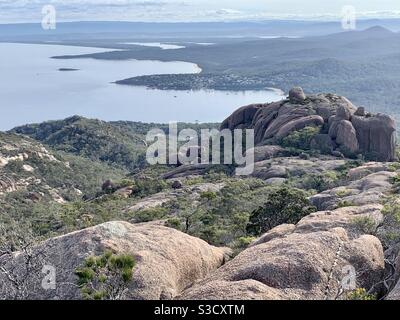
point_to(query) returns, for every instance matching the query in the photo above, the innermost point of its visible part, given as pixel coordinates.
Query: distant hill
(120, 144)
(118, 29)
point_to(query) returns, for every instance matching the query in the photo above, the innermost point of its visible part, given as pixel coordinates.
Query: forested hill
(120, 143)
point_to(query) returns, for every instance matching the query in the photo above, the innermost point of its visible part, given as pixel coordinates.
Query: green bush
(342, 193)
(392, 209)
(360, 294)
(284, 205)
(396, 183)
(244, 242)
(149, 215)
(105, 277)
(174, 223)
(345, 204)
(300, 139)
(319, 182)
(365, 224)
(208, 195)
(389, 230)
(144, 187)
(394, 166)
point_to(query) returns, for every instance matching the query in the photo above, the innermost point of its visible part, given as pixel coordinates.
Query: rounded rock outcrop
(352, 131)
(167, 261)
(297, 95)
(294, 266)
(346, 136)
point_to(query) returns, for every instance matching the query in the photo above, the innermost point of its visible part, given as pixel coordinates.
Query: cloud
(30, 10)
(186, 10)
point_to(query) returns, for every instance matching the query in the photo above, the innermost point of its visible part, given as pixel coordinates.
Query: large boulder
(346, 136)
(368, 190)
(323, 142)
(343, 113)
(298, 124)
(376, 136)
(284, 167)
(241, 117)
(346, 218)
(295, 266)
(287, 114)
(280, 231)
(352, 131)
(296, 95)
(267, 152)
(167, 261)
(395, 293)
(367, 169)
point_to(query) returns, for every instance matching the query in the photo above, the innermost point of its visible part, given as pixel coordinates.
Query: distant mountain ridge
(98, 29)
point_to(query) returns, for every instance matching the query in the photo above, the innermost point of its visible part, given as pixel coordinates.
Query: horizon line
(261, 20)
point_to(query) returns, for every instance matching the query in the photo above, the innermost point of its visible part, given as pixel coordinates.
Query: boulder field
(324, 256)
(344, 127)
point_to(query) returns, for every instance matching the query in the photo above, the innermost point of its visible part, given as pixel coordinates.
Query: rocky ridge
(309, 260)
(18, 169)
(344, 128)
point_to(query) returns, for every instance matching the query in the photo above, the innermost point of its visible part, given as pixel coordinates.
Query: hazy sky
(192, 10)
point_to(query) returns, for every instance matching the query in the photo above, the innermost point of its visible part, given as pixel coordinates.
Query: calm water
(32, 89)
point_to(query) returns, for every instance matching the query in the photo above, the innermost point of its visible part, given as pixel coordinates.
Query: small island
(67, 69)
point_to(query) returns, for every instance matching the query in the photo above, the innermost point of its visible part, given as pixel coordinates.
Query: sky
(12, 11)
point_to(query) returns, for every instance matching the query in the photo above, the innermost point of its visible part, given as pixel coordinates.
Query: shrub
(284, 205)
(343, 170)
(126, 183)
(348, 153)
(342, 193)
(244, 242)
(389, 230)
(345, 204)
(300, 139)
(396, 183)
(392, 209)
(365, 224)
(145, 186)
(174, 223)
(320, 182)
(394, 166)
(106, 277)
(208, 195)
(15, 166)
(360, 294)
(149, 215)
